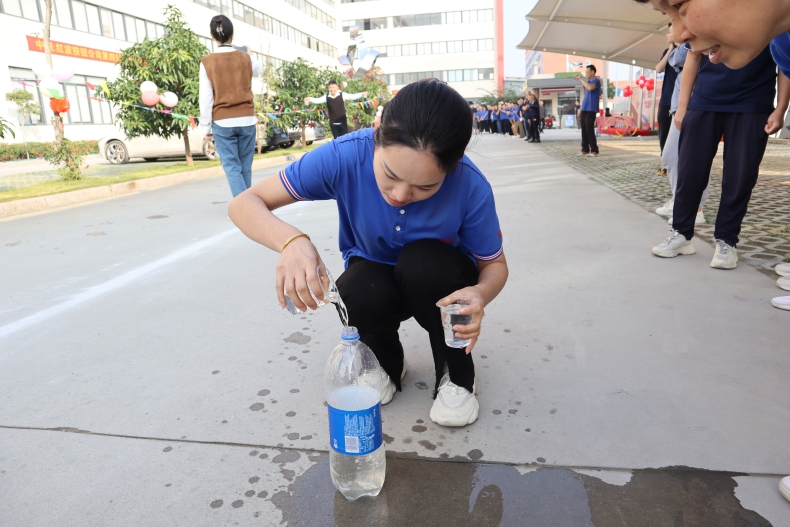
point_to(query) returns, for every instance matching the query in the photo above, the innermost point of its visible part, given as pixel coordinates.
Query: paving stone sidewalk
(629, 165)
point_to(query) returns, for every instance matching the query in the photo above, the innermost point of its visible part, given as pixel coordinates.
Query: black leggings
(379, 297)
(535, 127)
(664, 122)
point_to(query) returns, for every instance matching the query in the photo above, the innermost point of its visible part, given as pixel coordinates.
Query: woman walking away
(227, 113)
(419, 230)
(534, 115)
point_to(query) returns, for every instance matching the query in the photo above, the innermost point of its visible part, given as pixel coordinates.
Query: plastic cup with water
(451, 316)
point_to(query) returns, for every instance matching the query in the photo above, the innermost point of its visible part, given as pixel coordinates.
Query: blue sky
(516, 29)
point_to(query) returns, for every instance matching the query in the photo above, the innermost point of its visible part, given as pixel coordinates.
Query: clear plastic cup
(328, 286)
(451, 317)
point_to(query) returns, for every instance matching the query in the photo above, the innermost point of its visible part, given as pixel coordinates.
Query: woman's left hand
(476, 309)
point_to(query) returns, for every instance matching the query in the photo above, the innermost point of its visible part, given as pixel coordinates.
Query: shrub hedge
(12, 152)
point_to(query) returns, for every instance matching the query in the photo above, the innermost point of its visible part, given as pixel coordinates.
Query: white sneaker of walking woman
(454, 405)
(725, 257)
(675, 245)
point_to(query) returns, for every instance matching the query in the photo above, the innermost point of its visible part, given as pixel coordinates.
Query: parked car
(276, 137)
(118, 149)
(312, 133)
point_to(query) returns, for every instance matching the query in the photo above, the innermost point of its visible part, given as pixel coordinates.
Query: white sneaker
(675, 245)
(666, 208)
(726, 257)
(454, 405)
(782, 302)
(782, 269)
(784, 487)
(388, 389)
(784, 283)
(698, 220)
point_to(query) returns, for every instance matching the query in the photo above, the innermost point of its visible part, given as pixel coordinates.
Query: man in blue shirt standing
(590, 107)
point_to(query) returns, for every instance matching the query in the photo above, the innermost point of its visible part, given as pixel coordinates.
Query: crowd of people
(524, 118)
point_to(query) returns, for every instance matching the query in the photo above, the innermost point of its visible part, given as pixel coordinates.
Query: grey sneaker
(784, 283)
(782, 269)
(675, 245)
(726, 257)
(666, 208)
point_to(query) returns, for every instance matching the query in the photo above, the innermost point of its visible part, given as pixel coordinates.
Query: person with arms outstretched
(335, 102)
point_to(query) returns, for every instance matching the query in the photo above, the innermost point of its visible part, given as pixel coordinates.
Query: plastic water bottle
(353, 383)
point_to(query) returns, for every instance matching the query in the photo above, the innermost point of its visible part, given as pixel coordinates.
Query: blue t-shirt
(591, 97)
(462, 213)
(670, 75)
(482, 115)
(751, 89)
(780, 49)
(503, 115)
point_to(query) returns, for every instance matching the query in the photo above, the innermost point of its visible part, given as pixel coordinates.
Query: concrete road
(148, 376)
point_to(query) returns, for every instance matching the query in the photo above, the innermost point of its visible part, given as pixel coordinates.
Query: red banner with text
(73, 50)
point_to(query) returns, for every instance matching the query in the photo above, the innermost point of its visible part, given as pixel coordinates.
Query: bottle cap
(350, 333)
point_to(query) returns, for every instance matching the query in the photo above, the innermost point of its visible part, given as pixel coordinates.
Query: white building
(86, 36)
(457, 41)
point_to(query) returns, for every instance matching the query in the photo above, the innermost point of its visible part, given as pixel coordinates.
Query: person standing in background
(227, 112)
(665, 103)
(589, 111)
(534, 118)
(336, 107)
(542, 116)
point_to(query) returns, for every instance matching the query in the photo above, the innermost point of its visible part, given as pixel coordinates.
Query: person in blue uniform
(418, 229)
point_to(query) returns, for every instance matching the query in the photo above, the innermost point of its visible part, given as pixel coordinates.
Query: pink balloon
(150, 98)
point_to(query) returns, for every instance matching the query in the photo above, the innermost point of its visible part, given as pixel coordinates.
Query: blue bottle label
(355, 433)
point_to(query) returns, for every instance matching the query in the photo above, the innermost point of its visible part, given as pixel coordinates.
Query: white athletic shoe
(454, 405)
(784, 487)
(388, 389)
(782, 269)
(698, 220)
(666, 208)
(675, 245)
(726, 257)
(782, 302)
(784, 283)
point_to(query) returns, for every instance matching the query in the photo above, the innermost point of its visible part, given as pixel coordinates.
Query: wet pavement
(147, 376)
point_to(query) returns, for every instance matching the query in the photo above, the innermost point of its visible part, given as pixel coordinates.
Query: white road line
(112, 285)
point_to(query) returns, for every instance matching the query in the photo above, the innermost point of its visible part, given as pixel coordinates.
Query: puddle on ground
(482, 495)
(298, 338)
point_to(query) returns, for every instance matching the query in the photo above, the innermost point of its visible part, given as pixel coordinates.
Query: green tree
(172, 62)
(611, 91)
(494, 97)
(295, 81)
(5, 128)
(25, 107)
(373, 83)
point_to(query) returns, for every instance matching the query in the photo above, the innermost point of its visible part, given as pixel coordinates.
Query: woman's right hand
(679, 117)
(295, 270)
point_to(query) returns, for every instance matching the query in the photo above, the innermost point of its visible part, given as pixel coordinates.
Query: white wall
(14, 50)
(380, 38)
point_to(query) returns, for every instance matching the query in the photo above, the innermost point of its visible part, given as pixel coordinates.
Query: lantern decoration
(169, 99)
(148, 86)
(63, 74)
(59, 106)
(150, 98)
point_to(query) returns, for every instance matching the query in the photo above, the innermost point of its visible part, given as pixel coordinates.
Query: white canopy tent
(613, 30)
(616, 30)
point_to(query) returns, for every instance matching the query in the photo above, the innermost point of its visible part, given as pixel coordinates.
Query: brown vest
(231, 77)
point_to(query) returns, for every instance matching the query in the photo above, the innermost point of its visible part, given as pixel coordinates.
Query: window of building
(105, 18)
(61, 12)
(399, 79)
(92, 12)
